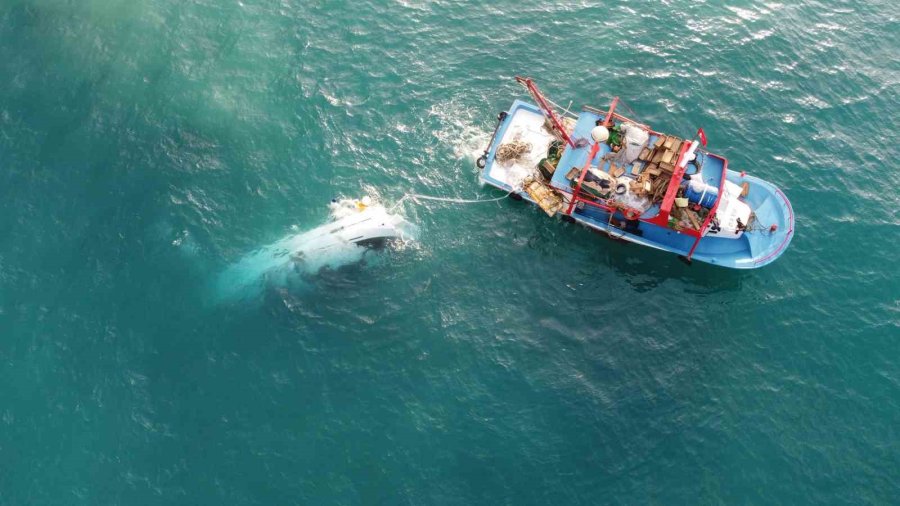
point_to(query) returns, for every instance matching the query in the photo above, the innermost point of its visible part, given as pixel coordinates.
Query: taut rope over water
(416, 197)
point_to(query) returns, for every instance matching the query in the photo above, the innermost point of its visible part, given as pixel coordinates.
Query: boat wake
(458, 129)
(356, 229)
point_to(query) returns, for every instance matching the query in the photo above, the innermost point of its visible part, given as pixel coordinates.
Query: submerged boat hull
(354, 229)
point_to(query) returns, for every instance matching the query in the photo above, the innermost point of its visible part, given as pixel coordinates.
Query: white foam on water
(458, 130)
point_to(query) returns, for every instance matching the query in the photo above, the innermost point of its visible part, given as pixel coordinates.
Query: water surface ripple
(504, 358)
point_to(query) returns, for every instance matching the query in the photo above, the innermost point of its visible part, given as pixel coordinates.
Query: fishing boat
(616, 175)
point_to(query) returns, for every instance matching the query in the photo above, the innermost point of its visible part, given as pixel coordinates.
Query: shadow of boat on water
(643, 268)
(646, 269)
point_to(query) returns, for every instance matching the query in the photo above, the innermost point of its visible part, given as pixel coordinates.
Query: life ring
(631, 214)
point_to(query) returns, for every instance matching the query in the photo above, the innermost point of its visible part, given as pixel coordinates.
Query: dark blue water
(503, 358)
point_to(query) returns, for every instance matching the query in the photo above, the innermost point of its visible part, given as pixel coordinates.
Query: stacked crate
(659, 159)
(662, 155)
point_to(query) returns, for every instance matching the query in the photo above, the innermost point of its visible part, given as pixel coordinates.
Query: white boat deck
(526, 126)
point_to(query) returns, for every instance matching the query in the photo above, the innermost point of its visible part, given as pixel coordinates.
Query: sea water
(506, 358)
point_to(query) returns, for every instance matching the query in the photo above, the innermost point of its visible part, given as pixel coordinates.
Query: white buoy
(600, 134)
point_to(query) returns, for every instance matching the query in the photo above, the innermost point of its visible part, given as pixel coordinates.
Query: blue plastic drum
(702, 194)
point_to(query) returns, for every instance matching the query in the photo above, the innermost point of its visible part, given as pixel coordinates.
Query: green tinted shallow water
(503, 359)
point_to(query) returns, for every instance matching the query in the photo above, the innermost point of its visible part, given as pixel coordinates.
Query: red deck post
(587, 165)
(712, 212)
(609, 114)
(606, 122)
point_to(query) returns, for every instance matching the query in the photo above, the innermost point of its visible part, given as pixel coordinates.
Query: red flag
(702, 135)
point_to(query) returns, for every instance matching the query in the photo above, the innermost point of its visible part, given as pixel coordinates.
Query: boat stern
(522, 124)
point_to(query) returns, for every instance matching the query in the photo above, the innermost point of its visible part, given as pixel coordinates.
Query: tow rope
(417, 197)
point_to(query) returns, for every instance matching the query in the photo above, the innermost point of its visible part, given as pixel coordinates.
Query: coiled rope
(512, 150)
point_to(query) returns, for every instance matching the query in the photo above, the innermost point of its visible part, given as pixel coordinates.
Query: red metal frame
(587, 165)
(576, 195)
(662, 218)
(712, 212)
(539, 98)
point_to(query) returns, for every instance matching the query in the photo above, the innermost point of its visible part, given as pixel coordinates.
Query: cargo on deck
(612, 173)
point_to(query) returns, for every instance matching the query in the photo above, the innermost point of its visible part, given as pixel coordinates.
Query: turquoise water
(504, 358)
